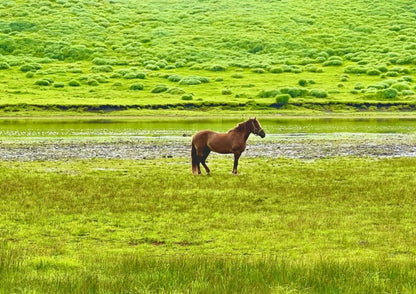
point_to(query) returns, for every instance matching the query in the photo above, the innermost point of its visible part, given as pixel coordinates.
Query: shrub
(217, 67)
(334, 62)
(359, 86)
(187, 97)
(401, 86)
(237, 76)
(318, 93)
(193, 80)
(268, 94)
(355, 69)
(303, 82)
(116, 76)
(43, 82)
(59, 85)
(130, 76)
(152, 67)
(282, 99)
(161, 64)
(258, 70)
(92, 82)
(373, 72)
(407, 93)
(392, 74)
(175, 78)
(276, 70)
(406, 79)
(160, 88)
(189, 81)
(102, 68)
(226, 91)
(136, 87)
(26, 68)
(219, 79)
(4, 65)
(74, 83)
(294, 92)
(30, 75)
(176, 91)
(389, 93)
(140, 75)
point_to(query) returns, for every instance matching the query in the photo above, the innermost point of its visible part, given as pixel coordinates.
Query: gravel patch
(302, 146)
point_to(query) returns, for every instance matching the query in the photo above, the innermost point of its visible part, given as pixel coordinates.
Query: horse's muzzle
(262, 134)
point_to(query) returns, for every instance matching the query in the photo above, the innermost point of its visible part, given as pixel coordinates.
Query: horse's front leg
(236, 158)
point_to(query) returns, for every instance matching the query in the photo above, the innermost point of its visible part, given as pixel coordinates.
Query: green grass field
(337, 56)
(336, 225)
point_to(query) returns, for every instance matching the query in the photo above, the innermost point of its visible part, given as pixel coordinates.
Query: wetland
(151, 138)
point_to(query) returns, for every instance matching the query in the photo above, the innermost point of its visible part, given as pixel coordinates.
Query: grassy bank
(340, 224)
(153, 54)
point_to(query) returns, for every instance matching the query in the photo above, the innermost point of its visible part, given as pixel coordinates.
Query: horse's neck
(243, 131)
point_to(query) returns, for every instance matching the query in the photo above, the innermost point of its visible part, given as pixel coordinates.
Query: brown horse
(234, 141)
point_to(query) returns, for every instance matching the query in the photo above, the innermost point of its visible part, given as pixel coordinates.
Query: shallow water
(306, 138)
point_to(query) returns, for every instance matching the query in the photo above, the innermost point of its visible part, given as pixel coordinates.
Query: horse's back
(201, 138)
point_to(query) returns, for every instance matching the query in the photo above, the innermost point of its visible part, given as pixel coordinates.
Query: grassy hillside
(70, 52)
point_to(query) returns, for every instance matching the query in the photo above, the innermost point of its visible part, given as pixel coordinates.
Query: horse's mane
(239, 127)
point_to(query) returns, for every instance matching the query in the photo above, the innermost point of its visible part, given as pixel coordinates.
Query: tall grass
(324, 226)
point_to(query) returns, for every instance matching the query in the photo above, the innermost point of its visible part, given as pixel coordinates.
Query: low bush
(392, 73)
(318, 93)
(187, 97)
(359, 86)
(334, 62)
(373, 72)
(74, 83)
(268, 93)
(217, 67)
(175, 78)
(276, 70)
(102, 68)
(189, 81)
(59, 85)
(176, 91)
(193, 80)
(136, 87)
(160, 88)
(93, 82)
(30, 67)
(351, 69)
(226, 91)
(43, 82)
(389, 93)
(4, 65)
(237, 75)
(258, 70)
(401, 86)
(294, 92)
(282, 99)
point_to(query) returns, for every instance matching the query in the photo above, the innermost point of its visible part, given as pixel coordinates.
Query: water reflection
(69, 128)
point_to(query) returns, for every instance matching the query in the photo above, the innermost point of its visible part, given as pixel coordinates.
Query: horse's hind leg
(204, 157)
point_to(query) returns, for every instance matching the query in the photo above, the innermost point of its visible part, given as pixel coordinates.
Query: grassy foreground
(339, 225)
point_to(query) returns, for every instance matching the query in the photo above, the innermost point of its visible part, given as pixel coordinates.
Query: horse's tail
(194, 159)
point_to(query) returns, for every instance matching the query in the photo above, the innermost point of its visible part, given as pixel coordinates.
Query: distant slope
(371, 38)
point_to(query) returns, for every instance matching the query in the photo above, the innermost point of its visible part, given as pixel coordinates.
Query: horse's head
(257, 129)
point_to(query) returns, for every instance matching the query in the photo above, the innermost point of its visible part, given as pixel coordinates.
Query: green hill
(265, 53)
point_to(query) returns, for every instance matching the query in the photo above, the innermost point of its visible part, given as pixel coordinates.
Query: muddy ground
(302, 146)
